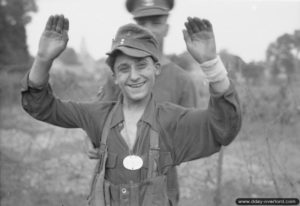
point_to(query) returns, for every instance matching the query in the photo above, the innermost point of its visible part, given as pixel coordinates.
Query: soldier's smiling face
(135, 76)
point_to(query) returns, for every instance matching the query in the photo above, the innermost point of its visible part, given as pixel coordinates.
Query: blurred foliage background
(47, 165)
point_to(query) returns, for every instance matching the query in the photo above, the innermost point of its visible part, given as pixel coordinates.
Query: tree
(283, 55)
(13, 18)
(254, 72)
(184, 60)
(69, 57)
(233, 63)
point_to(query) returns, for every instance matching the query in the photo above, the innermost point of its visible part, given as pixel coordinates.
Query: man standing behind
(172, 85)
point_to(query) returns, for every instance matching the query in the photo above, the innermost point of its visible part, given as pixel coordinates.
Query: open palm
(200, 40)
(54, 38)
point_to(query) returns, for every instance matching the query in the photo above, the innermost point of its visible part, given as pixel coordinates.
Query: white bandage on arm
(214, 70)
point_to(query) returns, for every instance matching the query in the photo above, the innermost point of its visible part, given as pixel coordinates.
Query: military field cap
(135, 41)
(143, 8)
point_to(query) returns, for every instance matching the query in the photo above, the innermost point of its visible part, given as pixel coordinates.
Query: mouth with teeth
(136, 85)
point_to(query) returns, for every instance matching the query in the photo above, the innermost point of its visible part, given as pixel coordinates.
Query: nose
(134, 74)
(149, 25)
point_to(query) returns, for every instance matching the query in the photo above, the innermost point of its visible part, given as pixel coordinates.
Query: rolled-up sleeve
(200, 133)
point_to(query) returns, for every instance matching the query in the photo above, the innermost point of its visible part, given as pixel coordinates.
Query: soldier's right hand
(54, 38)
(90, 150)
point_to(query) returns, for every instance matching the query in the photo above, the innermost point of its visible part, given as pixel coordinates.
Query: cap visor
(130, 52)
(150, 12)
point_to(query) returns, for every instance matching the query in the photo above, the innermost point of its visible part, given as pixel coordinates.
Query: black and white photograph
(149, 102)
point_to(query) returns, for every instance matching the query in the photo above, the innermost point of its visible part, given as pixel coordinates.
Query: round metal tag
(133, 162)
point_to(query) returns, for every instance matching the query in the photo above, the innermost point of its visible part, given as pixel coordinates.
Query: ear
(157, 68)
(115, 79)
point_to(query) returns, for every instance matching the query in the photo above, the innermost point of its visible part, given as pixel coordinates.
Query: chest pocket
(165, 162)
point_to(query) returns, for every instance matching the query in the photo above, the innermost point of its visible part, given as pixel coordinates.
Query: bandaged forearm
(214, 70)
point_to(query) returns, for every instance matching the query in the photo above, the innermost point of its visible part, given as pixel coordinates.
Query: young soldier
(173, 84)
(138, 139)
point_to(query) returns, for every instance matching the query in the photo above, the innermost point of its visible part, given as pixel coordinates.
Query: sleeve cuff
(26, 84)
(229, 91)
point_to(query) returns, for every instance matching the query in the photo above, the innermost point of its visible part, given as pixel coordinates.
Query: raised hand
(54, 38)
(200, 40)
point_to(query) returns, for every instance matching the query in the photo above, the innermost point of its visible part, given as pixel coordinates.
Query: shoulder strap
(106, 127)
(103, 147)
(95, 196)
(153, 154)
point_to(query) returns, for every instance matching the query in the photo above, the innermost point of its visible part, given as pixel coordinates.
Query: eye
(156, 22)
(141, 22)
(123, 68)
(142, 64)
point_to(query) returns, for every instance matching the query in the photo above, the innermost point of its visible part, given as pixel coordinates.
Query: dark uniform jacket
(184, 134)
(172, 85)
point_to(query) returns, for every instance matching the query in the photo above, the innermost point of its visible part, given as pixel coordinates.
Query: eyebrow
(138, 60)
(145, 59)
(122, 64)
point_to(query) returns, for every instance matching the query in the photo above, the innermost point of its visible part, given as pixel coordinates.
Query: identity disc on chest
(133, 162)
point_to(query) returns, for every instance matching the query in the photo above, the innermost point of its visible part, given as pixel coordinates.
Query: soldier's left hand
(200, 39)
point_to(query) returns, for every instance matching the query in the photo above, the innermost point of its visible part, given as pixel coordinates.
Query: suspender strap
(153, 154)
(98, 193)
(106, 127)
(104, 136)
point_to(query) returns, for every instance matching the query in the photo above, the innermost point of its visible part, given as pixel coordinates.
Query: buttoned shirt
(184, 134)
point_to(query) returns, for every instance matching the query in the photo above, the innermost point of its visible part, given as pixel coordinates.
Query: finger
(207, 24)
(199, 23)
(60, 24)
(92, 151)
(188, 28)
(186, 36)
(92, 155)
(54, 22)
(49, 23)
(66, 24)
(193, 25)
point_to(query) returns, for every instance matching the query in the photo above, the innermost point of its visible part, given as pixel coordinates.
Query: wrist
(39, 73)
(41, 60)
(207, 59)
(214, 70)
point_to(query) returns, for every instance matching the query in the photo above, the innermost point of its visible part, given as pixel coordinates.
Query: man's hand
(91, 151)
(52, 43)
(200, 40)
(54, 38)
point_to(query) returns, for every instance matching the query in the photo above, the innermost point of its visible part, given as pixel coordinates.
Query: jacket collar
(149, 115)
